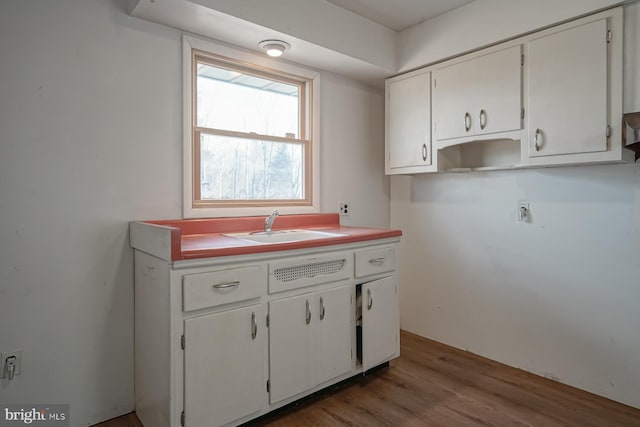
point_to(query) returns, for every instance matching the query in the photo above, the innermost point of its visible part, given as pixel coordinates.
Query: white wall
(89, 131)
(90, 128)
(352, 123)
(558, 296)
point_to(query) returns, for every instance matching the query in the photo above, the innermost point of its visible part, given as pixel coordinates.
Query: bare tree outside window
(249, 135)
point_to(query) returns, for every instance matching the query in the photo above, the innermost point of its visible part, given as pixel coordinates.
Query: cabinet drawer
(375, 261)
(222, 287)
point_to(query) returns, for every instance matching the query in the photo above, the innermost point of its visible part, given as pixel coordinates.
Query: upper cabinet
(549, 98)
(408, 118)
(478, 96)
(574, 93)
(568, 91)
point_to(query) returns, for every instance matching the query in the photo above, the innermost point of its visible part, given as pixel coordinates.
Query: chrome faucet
(268, 221)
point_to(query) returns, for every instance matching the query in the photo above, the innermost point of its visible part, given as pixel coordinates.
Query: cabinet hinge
(182, 342)
(609, 36)
(268, 386)
(182, 419)
(522, 113)
(608, 131)
(267, 320)
(522, 60)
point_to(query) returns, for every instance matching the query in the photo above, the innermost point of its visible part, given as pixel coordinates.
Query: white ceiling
(363, 43)
(399, 14)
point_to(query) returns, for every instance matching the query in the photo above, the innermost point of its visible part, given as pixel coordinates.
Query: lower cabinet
(219, 344)
(380, 322)
(334, 331)
(224, 372)
(310, 340)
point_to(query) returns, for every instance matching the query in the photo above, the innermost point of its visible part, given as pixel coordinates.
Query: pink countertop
(204, 238)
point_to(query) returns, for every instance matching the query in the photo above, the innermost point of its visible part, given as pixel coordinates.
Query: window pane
(231, 100)
(249, 169)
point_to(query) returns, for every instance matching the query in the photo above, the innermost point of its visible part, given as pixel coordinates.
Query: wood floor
(431, 384)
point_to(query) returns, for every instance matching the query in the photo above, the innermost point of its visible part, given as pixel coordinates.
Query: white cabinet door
(454, 100)
(480, 96)
(290, 346)
(409, 120)
(498, 89)
(310, 340)
(380, 322)
(335, 323)
(224, 368)
(568, 91)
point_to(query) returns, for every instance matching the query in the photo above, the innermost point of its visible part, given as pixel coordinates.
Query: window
(250, 135)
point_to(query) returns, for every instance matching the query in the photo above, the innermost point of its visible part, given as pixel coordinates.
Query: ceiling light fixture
(274, 47)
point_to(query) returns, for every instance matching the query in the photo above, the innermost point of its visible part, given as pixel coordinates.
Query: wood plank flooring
(432, 384)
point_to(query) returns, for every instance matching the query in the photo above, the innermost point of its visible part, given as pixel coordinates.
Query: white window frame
(312, 126)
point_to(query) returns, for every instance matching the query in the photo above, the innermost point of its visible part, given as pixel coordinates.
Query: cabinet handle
(308, 319)
(483, 119)
(370, 298)
(225, 285)
(424, 152)
(467, 121)
(376, 261)
(254, 326)
(321, 309)
(538, 140)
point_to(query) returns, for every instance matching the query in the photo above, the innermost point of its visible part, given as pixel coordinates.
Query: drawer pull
(225, 285)
(376, 261)
(254, 326)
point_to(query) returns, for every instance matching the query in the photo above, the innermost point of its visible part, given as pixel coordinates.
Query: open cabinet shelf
(496, 154)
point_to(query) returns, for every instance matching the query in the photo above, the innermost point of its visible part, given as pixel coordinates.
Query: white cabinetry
(478, 96)
(224, 372)
(549, 98)
(573, 92)
(334, 333)
(310, 340)
(290, 347)
(222, 342)
(379, 305)
(408, 118)
(380, 318)
(380, 322)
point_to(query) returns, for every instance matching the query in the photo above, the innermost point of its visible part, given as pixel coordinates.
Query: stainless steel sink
(284, 236)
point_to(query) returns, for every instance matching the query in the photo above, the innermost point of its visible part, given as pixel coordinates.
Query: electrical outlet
(523, 211)
(344, 208)
(4, 356)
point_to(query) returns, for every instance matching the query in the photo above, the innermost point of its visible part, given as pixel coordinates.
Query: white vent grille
(308, 271)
